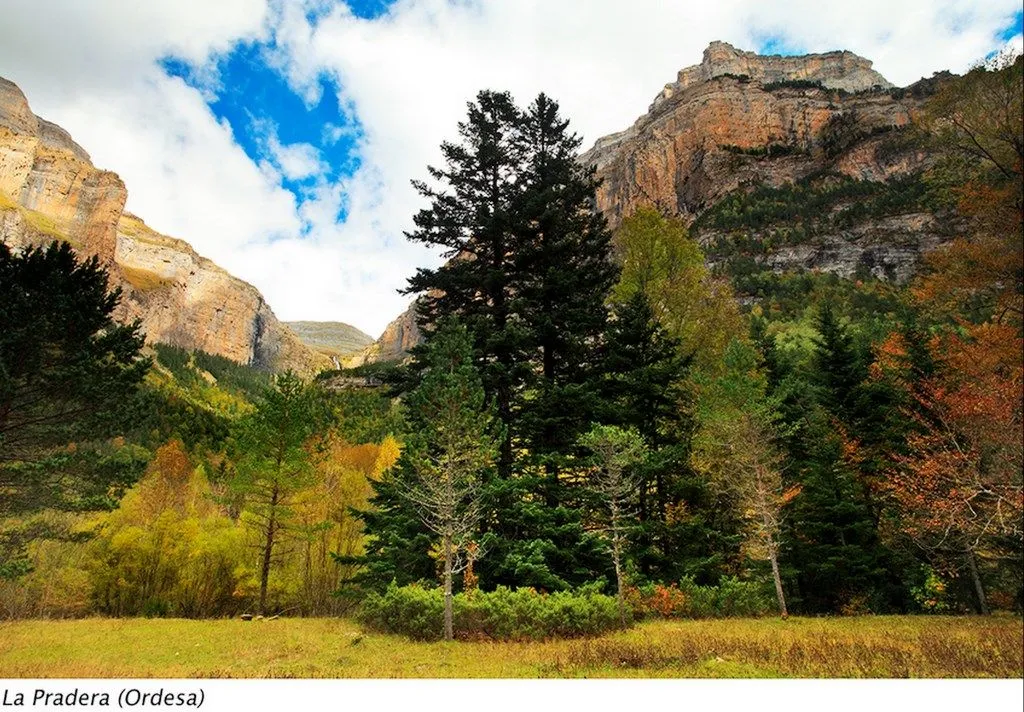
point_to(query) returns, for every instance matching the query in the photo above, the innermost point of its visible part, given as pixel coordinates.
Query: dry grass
(838, 647)
(143, 279)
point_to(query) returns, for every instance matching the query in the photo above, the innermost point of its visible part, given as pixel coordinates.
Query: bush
(731, 598)
(502, 614)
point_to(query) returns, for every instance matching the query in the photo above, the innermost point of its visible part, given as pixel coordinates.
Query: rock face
(49, 190)
(688, 150)
(740, 120)
(833, 70)
(394, 344)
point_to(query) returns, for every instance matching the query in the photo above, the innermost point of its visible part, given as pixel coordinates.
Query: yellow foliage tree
(659, 258)
(169, 548)
(325, 524)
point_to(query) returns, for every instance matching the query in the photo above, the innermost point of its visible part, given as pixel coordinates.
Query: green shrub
(502, 614)
(730, 598)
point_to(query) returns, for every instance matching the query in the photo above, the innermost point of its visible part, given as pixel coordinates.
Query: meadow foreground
(882, 646)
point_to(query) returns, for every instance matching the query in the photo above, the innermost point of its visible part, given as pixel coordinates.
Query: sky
(279, 137)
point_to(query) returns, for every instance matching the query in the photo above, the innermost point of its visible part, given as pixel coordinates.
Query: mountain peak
(841, 70)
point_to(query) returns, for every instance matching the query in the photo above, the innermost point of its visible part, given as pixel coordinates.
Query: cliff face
(394, 344)
(687, 151)
(335, 339)
(49, 190)
(740, 121)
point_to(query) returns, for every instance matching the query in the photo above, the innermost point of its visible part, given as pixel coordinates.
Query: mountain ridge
(49, 189)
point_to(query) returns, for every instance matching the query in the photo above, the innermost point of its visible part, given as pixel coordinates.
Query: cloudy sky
(279, 137)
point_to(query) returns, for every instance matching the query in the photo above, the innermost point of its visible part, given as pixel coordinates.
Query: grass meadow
(856, 647)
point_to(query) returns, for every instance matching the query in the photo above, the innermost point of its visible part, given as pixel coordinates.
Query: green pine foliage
(69, 383)
(275, 445)
(528, 275)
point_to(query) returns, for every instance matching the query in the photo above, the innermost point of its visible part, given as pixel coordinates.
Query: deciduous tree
(276, 446)
(615, 452)
(453, 440)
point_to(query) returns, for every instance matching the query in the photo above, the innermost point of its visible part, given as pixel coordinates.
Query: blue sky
(1014, 28)
(279, 137)
(257, 103)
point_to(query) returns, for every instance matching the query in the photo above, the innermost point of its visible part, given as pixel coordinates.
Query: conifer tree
(69, 375)
(834, 542)
(563, 259)
(528, 275)
(643, 389)
(471, 216)
(276, 444)
(453, 441)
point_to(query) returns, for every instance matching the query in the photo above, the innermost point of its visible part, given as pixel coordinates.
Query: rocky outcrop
(844, 71)
(49, 190)
(710, 131)
(394, 344)
(888, 248)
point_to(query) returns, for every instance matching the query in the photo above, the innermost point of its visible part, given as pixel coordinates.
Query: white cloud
(297, 160)
(406, 76)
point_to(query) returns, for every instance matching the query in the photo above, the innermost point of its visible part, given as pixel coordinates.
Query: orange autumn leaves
(959, 482)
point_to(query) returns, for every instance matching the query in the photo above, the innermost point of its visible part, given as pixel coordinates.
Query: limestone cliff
(335, 339)
(394, 344)
(49, 190)
(740, 121)
(702, 134)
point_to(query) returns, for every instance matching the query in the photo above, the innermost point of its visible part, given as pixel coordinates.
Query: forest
(599, 427)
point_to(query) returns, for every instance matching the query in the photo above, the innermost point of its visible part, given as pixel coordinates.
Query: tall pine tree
(528, 273)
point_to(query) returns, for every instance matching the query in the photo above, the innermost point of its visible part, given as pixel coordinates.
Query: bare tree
(746, 468)
(734, 447)
(615, 451)
(454, 439)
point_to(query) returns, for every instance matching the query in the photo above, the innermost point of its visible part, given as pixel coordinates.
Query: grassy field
(800, 647)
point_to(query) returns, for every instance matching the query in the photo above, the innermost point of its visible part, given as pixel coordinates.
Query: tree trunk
(978, 588)
(268, 550)
(449, 633)
(617, 559)
(774, 556)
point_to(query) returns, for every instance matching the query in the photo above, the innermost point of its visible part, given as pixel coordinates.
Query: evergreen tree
(69, 375)
(644, 389)
(68, 372)
(563, 260)
(452, 442)
(833, 541)
(837, 368)
(275, 444)
(528, 274)
(472, 217)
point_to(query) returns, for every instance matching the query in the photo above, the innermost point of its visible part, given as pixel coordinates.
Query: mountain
(332, 338)
(741, 124)
(778, 164)
(49, 189)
